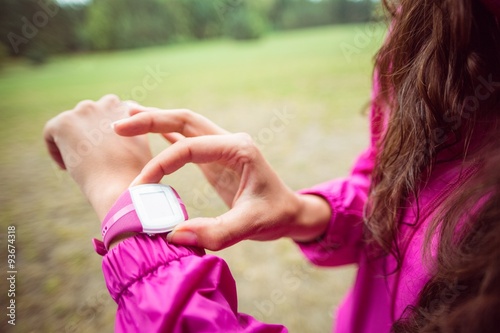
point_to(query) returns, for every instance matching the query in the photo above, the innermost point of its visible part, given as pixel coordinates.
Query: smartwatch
(150, 209)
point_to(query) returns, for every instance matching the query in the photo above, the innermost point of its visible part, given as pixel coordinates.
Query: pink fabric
(160, 287)
(378, 298)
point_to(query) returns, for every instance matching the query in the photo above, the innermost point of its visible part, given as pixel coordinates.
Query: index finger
(185, 122)
(233, 149)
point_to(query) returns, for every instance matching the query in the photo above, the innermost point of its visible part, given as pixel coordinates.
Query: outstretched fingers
(185, 122)
(233, 149)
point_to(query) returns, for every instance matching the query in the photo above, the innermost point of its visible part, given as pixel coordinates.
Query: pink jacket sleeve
(341, 243)
(160, 287)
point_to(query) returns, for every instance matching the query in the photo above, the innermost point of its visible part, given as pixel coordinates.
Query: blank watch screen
(156, 205)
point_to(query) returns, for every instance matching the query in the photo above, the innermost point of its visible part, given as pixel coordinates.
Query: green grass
(238, 85)
(307, 65)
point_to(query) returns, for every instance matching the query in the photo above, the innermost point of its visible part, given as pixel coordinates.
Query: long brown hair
(464, 293)
(436, 55)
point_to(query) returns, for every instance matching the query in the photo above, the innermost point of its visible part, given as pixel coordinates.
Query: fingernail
(187, 238)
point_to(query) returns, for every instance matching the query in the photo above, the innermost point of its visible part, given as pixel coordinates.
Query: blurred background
(295, 74)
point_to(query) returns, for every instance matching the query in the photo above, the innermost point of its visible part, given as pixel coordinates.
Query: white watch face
(157, 207)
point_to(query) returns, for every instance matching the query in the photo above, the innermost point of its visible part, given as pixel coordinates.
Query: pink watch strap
(123, 210)
(123, 218)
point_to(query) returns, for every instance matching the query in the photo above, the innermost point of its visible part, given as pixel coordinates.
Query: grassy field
(242, 86)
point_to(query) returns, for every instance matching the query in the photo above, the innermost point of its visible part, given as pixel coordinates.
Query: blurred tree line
(37, 28)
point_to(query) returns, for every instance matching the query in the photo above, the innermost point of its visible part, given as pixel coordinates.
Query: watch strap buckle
(99, 247)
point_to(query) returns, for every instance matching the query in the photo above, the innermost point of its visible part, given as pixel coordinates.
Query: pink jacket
(160, 287)
(378, 298)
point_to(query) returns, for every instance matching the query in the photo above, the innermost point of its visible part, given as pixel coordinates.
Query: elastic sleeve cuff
(135, 257)
(340, 243)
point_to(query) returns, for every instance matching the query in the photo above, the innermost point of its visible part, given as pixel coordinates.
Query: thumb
(211, 233)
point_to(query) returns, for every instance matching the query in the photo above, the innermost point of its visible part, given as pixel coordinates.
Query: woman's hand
(262, 206)
(101, 162)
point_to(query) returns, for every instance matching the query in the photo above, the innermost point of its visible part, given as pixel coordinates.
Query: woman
(417, 214)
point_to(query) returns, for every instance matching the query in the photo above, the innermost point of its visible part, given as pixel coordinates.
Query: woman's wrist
(103, 193)
(102, 198)
(312, 218)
